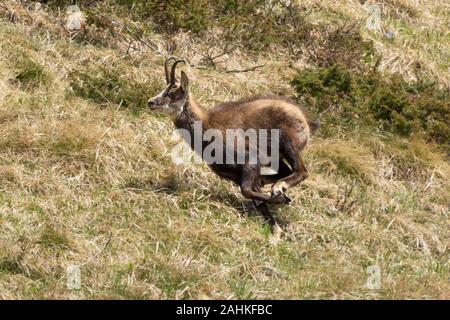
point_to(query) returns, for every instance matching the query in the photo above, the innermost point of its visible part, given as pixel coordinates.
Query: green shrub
(348, 97)
(172, 15)
(330, 81)
(254, 24)
(251, 24)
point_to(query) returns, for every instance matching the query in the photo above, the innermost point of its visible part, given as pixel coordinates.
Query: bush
(173, 15)
(254, 24)
(250, 24)
(358, 98)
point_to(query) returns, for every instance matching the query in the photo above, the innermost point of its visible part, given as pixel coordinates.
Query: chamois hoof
(280, 198)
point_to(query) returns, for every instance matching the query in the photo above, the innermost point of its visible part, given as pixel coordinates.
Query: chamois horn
(172, 74)
(166, 68)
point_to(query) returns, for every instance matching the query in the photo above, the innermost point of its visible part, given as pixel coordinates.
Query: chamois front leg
(248, 179)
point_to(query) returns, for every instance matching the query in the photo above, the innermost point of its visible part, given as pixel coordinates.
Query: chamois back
(260, 112)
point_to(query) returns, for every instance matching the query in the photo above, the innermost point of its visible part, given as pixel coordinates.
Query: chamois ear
(184, 82)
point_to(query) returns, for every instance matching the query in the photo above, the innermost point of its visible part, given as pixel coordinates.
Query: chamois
(256, 113)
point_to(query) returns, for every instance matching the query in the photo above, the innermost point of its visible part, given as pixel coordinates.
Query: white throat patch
(179, 105)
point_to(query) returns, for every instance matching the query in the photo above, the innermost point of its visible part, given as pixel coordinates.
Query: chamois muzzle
(156, 102)
(152, 105)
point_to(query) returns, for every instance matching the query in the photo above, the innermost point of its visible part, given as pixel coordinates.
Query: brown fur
(259, 112)
(254, 100)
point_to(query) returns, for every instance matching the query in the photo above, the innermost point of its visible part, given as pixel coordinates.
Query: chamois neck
(192, 112)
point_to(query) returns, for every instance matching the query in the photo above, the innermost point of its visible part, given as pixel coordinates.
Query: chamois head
(172, 99)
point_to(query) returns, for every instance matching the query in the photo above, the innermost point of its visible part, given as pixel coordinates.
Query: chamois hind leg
(251, 188)
(249, 179)
(264, 210)
(291, 150)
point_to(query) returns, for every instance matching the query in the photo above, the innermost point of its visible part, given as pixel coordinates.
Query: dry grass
(90, 183)
(420, 32)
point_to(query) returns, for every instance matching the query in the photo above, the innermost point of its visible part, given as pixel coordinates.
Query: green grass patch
(53, 238)
(29, 73)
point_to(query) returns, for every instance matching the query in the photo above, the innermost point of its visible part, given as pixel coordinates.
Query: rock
(75, 19)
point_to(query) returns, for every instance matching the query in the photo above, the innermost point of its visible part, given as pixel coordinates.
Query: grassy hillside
(87, 178)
